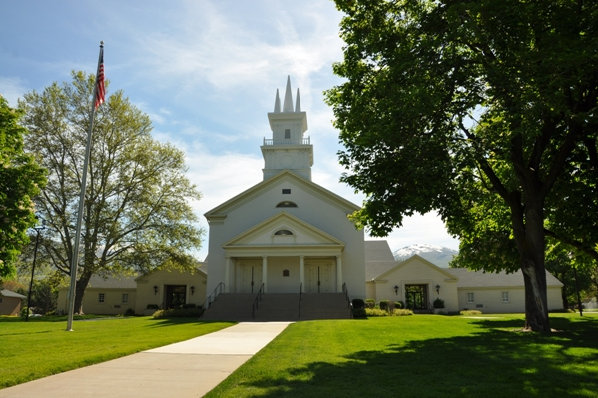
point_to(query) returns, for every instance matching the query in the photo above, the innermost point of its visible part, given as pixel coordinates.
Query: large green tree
(20, 180)
(137, 213)
(483, 110)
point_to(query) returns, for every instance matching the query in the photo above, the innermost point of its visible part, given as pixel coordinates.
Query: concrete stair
(324, 306)
(278, 307)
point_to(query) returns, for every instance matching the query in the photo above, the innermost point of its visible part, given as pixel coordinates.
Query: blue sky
(206, 72)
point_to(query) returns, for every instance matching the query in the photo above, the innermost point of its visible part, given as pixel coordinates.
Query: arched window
(283, 232)
(287, 203)
(286, 272)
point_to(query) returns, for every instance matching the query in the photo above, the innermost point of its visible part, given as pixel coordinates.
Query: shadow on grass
(491, 363)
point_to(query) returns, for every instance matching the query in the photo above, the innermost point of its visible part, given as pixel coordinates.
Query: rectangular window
(125, 297)
(470, 297)
(101, 297)
(505, 297)
(287, 134)
(286, 191)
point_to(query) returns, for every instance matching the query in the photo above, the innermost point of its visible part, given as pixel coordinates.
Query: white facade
(286, 232)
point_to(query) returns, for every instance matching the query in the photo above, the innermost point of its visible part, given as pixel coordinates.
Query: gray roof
(378, 258)
(10, 293)
(471, 279)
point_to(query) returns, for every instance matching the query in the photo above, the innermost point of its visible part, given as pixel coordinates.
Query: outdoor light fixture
(437, 289)
(155, 289)
(192, 290)
(396, 289)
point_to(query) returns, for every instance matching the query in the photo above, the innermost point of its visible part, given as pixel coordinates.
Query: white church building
(285, 249)
(285, 234)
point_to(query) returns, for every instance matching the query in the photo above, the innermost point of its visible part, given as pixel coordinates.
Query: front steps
(278, 307)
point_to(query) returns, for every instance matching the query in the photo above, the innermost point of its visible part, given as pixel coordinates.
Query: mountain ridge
(437, 255)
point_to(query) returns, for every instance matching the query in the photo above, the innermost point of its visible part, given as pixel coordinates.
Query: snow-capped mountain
(440, 256)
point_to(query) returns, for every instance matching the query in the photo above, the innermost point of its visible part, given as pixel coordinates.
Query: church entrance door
(319, 278)
(250, 278)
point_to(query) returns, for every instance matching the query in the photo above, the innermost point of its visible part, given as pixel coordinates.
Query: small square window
(287, 134)
(125, 297)
(101, 297)
(286, 273)
(286, 191)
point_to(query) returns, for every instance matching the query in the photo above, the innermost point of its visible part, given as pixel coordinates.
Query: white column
(339, 274)
(265, 273)
(227, 268)
(302, 272)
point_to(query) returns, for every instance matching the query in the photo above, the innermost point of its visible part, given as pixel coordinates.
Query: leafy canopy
(20, 181)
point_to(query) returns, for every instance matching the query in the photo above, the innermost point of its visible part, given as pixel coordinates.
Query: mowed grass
(30, 350)
(423, 356)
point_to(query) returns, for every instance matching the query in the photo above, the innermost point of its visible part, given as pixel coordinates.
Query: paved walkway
(190, 368)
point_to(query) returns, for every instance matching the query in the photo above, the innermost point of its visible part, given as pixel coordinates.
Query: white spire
(288, 97)
(277, 103)
(298, 105)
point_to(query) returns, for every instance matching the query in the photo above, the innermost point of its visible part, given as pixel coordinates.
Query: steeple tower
(288, 149)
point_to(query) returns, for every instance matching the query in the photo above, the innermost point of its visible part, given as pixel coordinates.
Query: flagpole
(75, 258)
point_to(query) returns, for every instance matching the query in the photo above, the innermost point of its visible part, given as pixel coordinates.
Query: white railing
(272, 142)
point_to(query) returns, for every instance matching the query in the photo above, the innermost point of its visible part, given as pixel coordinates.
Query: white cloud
(12, 88)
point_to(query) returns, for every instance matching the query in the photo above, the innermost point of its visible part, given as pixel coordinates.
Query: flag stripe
(100, 92)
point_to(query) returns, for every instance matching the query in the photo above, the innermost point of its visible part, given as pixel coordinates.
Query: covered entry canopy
(286, 254)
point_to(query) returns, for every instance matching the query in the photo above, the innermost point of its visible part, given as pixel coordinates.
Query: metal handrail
(217, 290)
(346, 291)
(256, 302)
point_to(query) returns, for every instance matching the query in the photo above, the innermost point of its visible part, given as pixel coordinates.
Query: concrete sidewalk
(190, 368)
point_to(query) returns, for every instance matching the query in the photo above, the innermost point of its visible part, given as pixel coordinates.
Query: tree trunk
(79, 292)
(528, 229)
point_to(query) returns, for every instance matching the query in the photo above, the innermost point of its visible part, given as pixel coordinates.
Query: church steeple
(288, 149)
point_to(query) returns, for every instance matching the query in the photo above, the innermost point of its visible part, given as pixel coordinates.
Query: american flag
(100, 92)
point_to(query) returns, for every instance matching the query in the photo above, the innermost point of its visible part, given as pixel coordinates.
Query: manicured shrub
(399, 305)
(189, 305)
(178, 313)
(383, 304)
(438, 303)
(152, 307)
(470, 312)
(370, 303)
(375, 312)
(401, 312)
(358, 304)
(359, 313)
(129, 312)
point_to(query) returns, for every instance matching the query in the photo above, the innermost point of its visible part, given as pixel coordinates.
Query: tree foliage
(20, 181)
(485, 111)
(137, 213)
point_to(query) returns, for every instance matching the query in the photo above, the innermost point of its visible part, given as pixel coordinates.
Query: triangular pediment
(221, 211)
(283, 230)
(417, 261)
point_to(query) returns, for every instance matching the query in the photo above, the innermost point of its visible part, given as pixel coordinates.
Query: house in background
(142, 295)
(417, 283)
(10, 302)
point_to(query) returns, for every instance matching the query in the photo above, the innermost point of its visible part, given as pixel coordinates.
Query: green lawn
(30, 350)
(423, 356)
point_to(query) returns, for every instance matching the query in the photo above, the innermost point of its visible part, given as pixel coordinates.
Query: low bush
(152, 307)
(178, 313)
(359, 313)
(470, 312)
(401, 312)
(375, 312)
(370, 303)
(399, 304)
(189, 305)
(383, 304)
(358, 304)
(438, 303)
(129, 312)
